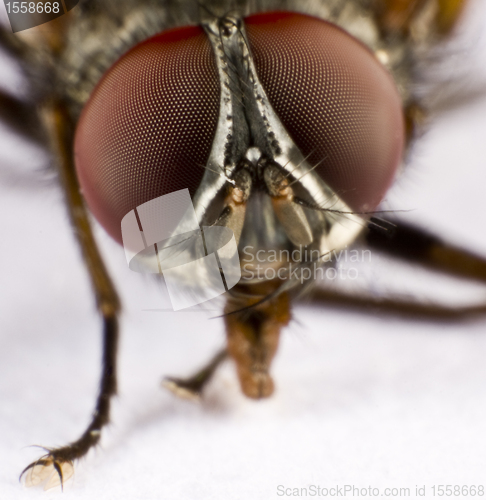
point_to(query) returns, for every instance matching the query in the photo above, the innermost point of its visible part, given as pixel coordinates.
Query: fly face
(347, 141)
(323, 408)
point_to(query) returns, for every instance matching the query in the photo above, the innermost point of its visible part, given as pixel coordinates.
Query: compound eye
(147, 129)
(339, 104)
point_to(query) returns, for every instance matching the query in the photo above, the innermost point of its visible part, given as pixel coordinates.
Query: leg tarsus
(192, 387)
(50, 470)
(58, 464)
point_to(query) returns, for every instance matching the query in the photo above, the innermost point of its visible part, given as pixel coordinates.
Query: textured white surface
(360, 400)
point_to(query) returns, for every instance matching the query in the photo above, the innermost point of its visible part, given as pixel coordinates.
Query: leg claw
(181, 389)
(48, 470)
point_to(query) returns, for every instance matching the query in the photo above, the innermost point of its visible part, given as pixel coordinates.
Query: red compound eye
(148, 127)
(338, 103)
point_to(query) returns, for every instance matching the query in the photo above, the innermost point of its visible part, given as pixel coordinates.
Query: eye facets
(338, 103)
(149, 126)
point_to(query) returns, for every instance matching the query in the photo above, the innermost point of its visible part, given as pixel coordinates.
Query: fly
(256, 180)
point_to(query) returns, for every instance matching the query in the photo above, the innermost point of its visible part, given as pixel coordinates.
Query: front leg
(192, 387)
(57, 465)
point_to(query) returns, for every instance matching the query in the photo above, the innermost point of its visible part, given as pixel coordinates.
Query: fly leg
(17, 115)
(409, 243)
(393, 306)
(20, 114)
(11, 44)
(192, 387)
(57, 464)
(406, 242)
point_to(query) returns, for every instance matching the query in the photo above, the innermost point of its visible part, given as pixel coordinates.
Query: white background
(360, 400)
